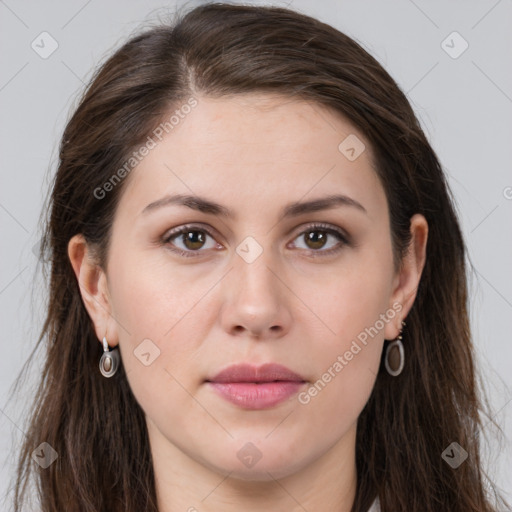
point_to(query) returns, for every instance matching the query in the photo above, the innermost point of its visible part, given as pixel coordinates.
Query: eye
(316, 237)
(189, 240)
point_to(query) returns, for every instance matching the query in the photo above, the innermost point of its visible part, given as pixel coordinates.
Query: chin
(260, 469)
(261, 474)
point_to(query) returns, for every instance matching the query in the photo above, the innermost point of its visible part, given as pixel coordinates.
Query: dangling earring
(394, 358)
(109, 361)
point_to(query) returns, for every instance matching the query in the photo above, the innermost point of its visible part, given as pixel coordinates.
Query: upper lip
(269, 372)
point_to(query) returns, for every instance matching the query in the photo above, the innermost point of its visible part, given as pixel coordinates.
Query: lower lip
(249, 395)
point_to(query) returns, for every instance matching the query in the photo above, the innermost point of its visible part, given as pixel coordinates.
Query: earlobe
(92, 283)
(409, 275)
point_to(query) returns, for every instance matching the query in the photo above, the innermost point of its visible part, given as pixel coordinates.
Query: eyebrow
(293, 209)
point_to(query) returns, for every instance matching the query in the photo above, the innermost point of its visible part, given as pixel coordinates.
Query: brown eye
(318, 240)
(321, 240)
(315, 239)
(189, 240)
(193, 239)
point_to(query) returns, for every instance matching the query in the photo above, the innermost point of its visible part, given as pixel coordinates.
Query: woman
(253, 239)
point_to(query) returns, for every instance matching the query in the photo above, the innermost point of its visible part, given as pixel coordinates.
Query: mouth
(251, 387)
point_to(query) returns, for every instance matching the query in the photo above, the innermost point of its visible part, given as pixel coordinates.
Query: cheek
(155, 311)
(352, 300)
(353, 305)
(151, 296)
(346, 363)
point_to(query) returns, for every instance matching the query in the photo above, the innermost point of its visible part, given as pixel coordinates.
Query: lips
(247, 373)
(250, 387)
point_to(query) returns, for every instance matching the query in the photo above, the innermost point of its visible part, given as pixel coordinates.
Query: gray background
(464, 103)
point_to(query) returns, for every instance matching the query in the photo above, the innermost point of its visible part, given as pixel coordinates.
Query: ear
(92, 282)
(406, 281)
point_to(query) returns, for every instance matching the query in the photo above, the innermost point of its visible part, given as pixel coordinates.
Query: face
(194, 291)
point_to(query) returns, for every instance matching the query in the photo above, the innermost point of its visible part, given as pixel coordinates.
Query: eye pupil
(317, 238)
(195, 238)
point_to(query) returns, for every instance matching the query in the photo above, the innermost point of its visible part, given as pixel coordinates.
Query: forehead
(256, 150)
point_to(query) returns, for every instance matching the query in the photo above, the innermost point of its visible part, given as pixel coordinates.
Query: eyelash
(313, 227)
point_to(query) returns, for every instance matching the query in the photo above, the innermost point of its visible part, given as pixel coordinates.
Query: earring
(109, 361)
(394, 358)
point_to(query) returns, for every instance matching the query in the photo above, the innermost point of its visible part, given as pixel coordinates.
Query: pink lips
(252, 387)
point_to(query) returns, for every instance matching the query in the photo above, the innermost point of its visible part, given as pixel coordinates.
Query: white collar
(375, 506)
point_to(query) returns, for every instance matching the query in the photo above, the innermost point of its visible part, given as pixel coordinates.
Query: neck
(187, 485)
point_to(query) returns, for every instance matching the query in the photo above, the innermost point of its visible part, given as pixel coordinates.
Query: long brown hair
(95, 424)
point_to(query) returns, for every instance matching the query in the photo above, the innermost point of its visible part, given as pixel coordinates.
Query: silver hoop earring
(395, 356)
(109, 361)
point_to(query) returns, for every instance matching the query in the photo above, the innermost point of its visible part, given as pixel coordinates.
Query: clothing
(375, 506)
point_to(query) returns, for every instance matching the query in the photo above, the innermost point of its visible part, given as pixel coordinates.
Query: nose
(256, 299)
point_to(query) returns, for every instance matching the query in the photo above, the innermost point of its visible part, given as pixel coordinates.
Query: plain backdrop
(459, 84)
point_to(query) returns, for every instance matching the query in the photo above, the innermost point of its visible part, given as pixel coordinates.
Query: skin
(253, 154)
